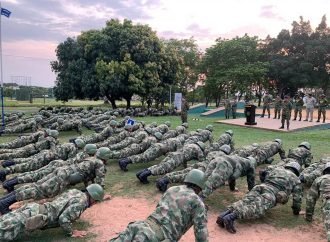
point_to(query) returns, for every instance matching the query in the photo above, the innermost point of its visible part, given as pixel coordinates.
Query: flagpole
(2, 92)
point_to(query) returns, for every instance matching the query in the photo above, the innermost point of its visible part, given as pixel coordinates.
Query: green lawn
(119, 183)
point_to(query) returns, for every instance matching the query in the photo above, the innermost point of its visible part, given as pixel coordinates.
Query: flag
(130, 122)
(5, 12)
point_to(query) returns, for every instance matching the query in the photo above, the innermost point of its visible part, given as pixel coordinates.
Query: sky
(35, 28)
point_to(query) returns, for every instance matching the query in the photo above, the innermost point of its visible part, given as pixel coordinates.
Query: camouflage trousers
(326, 218)
(48, 187)
(110, 141)
(32, 165)
(312, 172)
(297, 110)
(217, 173)
(184, 117)
(264, 108)
(121, 145)
(149, 155)
(20, 153)
(133, 149)
(13, 224)
(277, 112)
(263, 157)
(34, 176)
(42, 155)
(321, 111)
(255, 203)
(136, 231)
(167, 165)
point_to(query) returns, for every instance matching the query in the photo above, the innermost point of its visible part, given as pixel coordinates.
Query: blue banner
(5, 12)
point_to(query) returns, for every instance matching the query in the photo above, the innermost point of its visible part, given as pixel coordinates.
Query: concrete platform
(274, 124)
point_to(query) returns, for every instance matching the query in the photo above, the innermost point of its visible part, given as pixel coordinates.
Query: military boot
(123, 163)
(3, 175)
(228, 222)
(162, 184)
(10, 184)
(6, 202)
(220, 218)
(143, 177)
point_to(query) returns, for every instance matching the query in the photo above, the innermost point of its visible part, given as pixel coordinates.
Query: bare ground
(111, 217)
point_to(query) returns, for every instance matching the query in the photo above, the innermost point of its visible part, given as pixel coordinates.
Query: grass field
(119, 183)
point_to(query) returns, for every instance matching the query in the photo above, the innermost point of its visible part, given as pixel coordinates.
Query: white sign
(177, 101)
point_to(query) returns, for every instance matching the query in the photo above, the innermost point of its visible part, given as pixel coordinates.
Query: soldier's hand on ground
(78, 234)
(16, 205)
(107, 197)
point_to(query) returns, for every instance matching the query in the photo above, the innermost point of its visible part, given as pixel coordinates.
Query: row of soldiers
(296, 104)
(219, 162)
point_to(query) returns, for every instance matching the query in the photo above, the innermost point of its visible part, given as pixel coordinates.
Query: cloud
(268, 12)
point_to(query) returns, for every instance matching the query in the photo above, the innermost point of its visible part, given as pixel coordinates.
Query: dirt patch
(111, 217)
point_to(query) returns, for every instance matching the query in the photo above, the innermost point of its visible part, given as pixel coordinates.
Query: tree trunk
(128, 103)
(112, 101)
(207, 99)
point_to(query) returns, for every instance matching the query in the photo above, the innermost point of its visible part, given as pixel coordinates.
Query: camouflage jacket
(245, 151)
(65, 209)
(278, 103)
(226, 139)
(322, 103)
(66, 151)
(286, 108)
(91, 168)
(314, 171)
(267, 99)
(302, 155)
(23, 140)
(284, 180)
(319, 188)
(271, 148)
(178, 210)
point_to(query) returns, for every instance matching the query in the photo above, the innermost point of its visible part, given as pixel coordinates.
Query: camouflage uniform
(267, 151)
(134, 149)
(158, 149)
(175, 159)
(60, 212)
(23, 140)
(320, 188)
(57, 181)
(71, 125)
(234, 109)
(322, 108)
(98, 137)
(227, 109)
(179, 176)
(114, 139)
(203, 136)
(224, 139)
(278, 186)
(267, 101)
(301, 155)
(31, 125)
(286, 113)
(184, 111)
(245, 151)
(277, 107)
(177, 211)
(28, 150)
(298, 105)
(227, 168)
(314, 171)
(136, 139)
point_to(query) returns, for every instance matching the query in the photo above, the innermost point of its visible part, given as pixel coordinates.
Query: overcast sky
(36, 27)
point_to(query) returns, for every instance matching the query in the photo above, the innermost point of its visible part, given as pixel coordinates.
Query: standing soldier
(310, 102)
(286, 112)
(267, 101)
(322, 106)
(178, 210)
(320, 188)
(184, 110)
(234, 108)
(277, 107)
(298, 105)
(227, 108)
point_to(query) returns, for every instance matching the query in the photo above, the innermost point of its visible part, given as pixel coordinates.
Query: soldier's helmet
(128, 127)
(116, 114)
(80, 143)
(255, 144)
(180, 129)
(201, 145)
(38, 118)
(153, 124)
(279, 141)
(127, 118)
(226, 149)
(54, 133)
(185, 125)
(305, 144)
(253, 161)
(209, 127)
(113, 123)
(95, 191)
(326, 167)
(149, 130)
(196, 177)
(158, 135)
(103, 153)
(142, 123)
(168, 123)
(295, 166)
(230, 132)
(90, 149)
(60, 120)
(199, 130)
